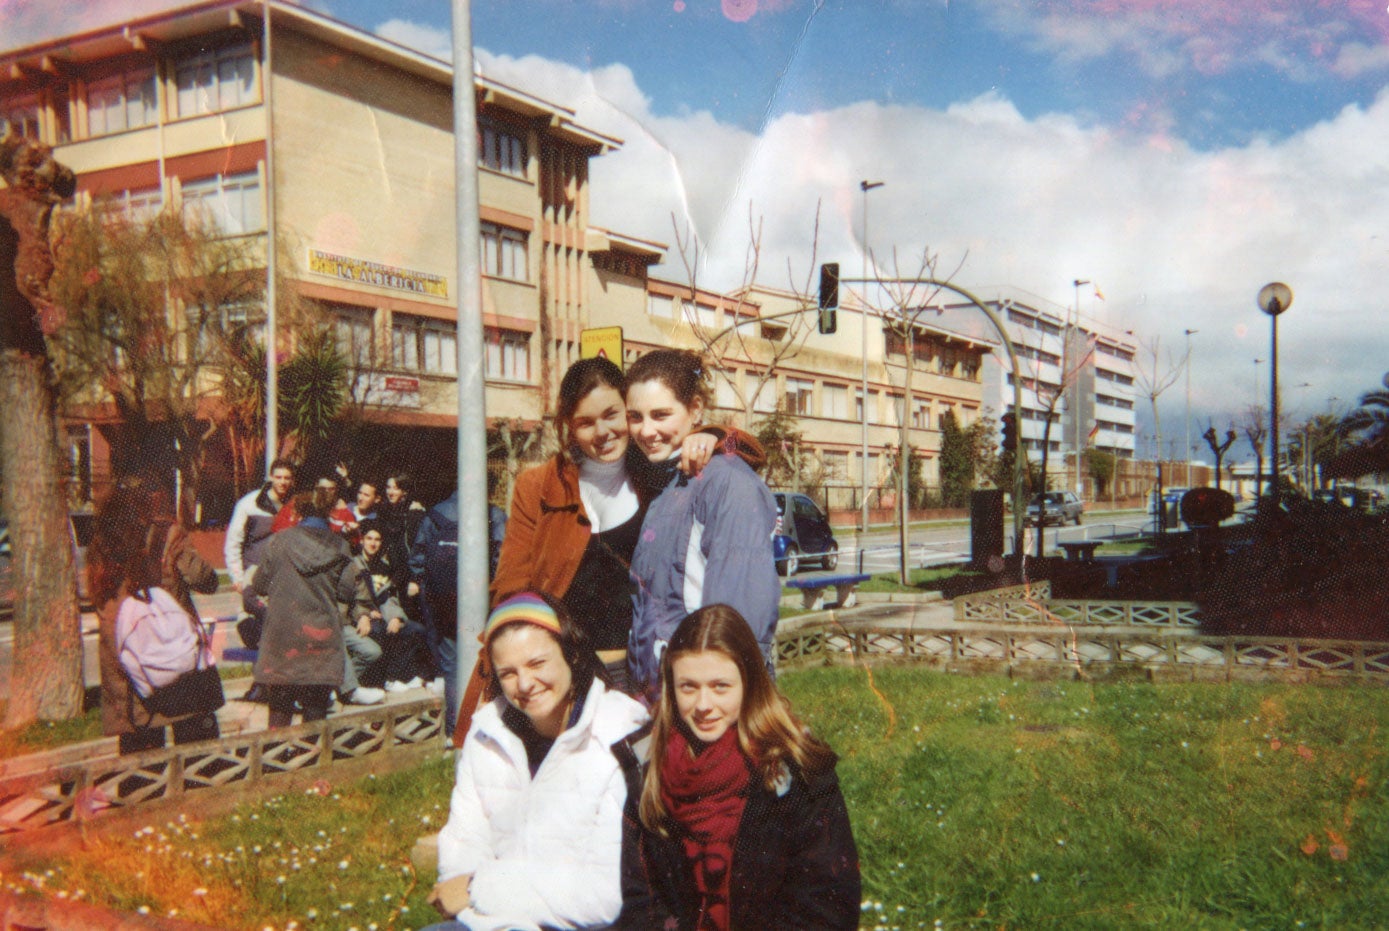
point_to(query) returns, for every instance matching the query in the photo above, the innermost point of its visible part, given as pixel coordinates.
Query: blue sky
(1178, 153)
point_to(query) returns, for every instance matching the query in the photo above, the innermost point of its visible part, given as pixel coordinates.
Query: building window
(724, 395)
(504, 252)
(836, 465)
(834, 401)
(969, 367)
(921, 415)
(134, 206)
(765, 402)
(660, 305)
(352, 331)
(216, 80)
(423, 344)
(502, 150)
(895, 402)
(231, 203)
(800, 395)
(508, 355)
(20, 116)
(120, 102)
(231, 324)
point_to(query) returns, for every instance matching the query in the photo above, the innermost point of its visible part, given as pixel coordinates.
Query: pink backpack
(156, 640)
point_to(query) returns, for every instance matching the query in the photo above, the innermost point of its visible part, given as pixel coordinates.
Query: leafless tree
(761, 346)
(1253, 422)
(153, 305)
(1154, 373)
(1049, 395)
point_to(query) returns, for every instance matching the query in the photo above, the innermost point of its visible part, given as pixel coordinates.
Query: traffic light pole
(1019, 506)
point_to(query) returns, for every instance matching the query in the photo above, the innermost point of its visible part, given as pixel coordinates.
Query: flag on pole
(1098, 293)
(1094, 430)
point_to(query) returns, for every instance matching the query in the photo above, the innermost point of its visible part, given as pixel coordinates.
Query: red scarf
(705, 795)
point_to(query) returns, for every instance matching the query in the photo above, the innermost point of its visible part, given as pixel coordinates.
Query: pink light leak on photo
(739, 11)
(678, 6)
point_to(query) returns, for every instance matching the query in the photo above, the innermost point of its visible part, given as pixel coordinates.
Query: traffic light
(829, 297)
(1010, 433)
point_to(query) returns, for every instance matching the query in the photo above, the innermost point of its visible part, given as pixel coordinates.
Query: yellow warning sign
(602, 343)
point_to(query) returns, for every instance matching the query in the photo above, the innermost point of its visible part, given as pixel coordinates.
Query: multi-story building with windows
(1077, 371)
(769, 355)
(331, 150)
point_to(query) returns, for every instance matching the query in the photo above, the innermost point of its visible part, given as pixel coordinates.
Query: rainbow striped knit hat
(525, 608)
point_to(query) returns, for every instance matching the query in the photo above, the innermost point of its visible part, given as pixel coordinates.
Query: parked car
(80, 524)
(802, 535)
(1063, 507)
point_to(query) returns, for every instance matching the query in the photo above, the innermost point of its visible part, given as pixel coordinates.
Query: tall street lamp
(865, 187)
(1075, 386)
(1188, 405)
(1274, 298)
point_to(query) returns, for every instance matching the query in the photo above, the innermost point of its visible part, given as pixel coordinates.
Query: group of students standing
(634, 764)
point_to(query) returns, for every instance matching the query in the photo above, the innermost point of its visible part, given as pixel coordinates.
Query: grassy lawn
(976, 802)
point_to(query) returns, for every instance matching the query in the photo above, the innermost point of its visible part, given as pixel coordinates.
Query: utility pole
(865, 187)
(1077, 406)
(1188, 405)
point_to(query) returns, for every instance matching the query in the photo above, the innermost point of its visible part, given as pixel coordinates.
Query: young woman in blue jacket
(704, 539)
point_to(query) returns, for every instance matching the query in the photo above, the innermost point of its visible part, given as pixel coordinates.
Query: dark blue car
(802, 535)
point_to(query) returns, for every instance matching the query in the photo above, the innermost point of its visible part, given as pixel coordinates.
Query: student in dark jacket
(734, 778)
(301, 577)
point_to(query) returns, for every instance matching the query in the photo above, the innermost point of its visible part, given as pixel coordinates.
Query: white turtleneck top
(606, 492)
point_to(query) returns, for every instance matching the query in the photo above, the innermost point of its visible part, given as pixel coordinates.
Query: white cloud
(1176, 238)
(1166, 38)
(427, 39)
(1356, 59)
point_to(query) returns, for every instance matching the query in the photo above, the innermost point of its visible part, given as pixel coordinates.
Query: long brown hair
(582, 379)
(128, 536)
(769, 733)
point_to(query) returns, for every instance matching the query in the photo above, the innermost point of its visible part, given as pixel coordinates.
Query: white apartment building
(1078, 368)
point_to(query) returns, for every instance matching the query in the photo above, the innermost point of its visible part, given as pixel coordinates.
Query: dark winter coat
(400, 524)
(302, 579)
(795, 866)
(181, 570)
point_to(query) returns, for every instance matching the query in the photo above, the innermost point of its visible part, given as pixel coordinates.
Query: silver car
(1062, 507)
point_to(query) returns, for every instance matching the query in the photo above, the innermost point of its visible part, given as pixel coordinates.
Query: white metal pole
(864, 186)
(272, 363)
(472, 420)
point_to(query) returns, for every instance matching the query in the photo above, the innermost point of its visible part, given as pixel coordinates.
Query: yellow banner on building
(602, 343)
(374, 273)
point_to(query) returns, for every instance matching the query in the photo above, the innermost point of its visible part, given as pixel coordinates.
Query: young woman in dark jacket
(734, 778)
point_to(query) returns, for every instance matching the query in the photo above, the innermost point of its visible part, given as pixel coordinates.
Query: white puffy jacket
(543, 851)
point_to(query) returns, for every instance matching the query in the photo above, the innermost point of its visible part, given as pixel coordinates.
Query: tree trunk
(46, 666)
(46, 676)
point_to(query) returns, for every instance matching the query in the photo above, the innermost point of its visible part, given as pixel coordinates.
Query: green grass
(988, 803)
(45, 735)
(932, 579)
(977, 803)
